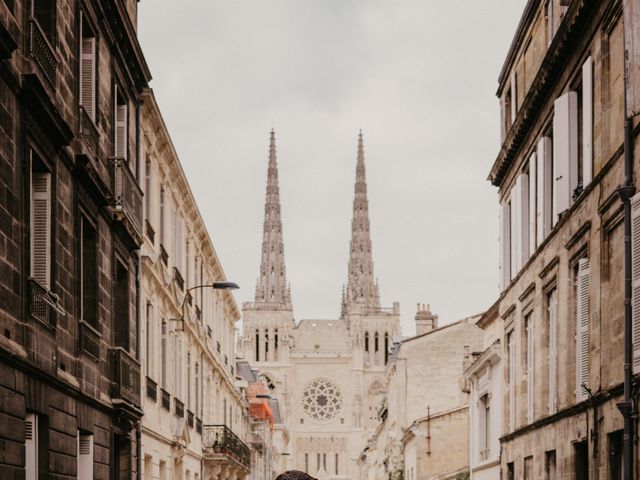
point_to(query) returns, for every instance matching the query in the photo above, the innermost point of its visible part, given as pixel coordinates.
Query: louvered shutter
(163, 355)
(587, 121)
(88, 75)
(533, 174)
(524, 218)
(514, 232)
(512, 380)
(530, 367)
(120, 130)
(31, 446)
(635, 278)
(501, 262)
(545, 179)
(514, 97)
(506, 243)
(582, 328)
(41, 228)
(85, 457)
(565, 151)
(553, 350)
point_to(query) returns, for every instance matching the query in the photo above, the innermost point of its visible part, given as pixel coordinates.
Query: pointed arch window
(386, 348)
(376, 344)
(366, 342)
(257, 346)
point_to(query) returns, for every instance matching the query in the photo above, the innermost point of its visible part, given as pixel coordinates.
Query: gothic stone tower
(328, 374)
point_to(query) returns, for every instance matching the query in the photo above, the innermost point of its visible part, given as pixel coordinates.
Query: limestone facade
(68, 242)
(422, 430)
(561, 303)
(328, 375)
(195, 423)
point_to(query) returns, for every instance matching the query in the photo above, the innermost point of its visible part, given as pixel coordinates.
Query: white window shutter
(31, 446)
(525, 250)
(635, 278)
(41, 228)
(121, 127)
(514, 97)
(505, 253)
(545, 179)
(85, 457)
(514, 232)
(512, 380)
(530, 368)
(582, 328)
(565, 151)
(88, 75)
(533, 175)
(553, 351)
(163, 355)
(501, 283)
(517, 226)
(587, 121)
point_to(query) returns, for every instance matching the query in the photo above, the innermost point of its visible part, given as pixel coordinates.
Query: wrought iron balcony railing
(39, 307)
(221, 440)
(42, 51)
(89, 132)
(125, 376)
(127, 195)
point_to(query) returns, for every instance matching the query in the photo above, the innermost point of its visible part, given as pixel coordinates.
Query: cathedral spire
(272, 285)
(362, 290)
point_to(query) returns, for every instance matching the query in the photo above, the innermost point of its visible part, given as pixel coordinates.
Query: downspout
(138, 299)
(626, 191)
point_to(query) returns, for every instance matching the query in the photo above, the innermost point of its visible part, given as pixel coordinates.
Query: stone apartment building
(195, 422)
(421, 412)
(71, 77)
(561, 307)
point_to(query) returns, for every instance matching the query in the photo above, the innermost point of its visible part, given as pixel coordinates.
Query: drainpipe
(138, 299)
(626, 191)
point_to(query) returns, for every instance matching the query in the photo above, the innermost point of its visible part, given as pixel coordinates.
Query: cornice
(561, 48)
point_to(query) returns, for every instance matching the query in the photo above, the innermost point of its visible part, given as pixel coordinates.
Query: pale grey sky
(417, 76)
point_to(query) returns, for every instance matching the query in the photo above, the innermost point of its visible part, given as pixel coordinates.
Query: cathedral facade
(328, 375)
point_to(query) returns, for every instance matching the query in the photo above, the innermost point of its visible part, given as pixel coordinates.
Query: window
(40, 223)
(163, 355)
(121, 306)
(528, 468)
(87, 69)
(197, 389)
(317, 461)
(510, 471)
(324, 462)
(635, 279)
(529, 364)
(565, 152)
(550, 465)
(306, 462)
(581, 460)
(163, 470)
(148, 194)
(121, 126)
(257, 346)
(337, 464)
(550, 21)
(505, 243)
(36, 446)
(88, 272)
(44, 12)
(188, 380)
(150, 340)
(179, 245)
(386, 348)
(615, 455)
(552, 348)
(85, 456)
(511, 356)
(148, 467)
(484, 430)
(582, 276)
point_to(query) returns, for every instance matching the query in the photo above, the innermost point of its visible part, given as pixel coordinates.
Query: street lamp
(214, 285)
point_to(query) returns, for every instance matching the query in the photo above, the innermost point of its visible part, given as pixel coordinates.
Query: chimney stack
(425, 320)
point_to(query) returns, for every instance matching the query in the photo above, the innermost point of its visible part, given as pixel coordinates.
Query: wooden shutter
(553, 350)
(530, 366)
(525, 250)
(85, 457)
(88, 75)
(545, 179)
(511, 346)
(533, 173)
(582, 328)
(514, 97)
(41, 228)
(635, 278)
(587, 121)
(163, 355)
(121, 127)
(565, 152)
(31, 446)
(505, 243)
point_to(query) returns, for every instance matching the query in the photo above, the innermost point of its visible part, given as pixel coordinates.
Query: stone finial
(425, 320)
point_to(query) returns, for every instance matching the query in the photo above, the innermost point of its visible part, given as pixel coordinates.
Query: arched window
(386, 347)
(257, 346)
(366, 342)
(275, 343)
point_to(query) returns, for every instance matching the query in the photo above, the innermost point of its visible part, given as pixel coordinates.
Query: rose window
(322, 399)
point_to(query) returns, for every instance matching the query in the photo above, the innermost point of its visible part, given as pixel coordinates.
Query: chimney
(425, 320)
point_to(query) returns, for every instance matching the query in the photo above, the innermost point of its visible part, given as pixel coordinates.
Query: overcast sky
(417, 76)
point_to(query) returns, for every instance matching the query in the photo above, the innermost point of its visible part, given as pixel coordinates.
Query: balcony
(88, 132)
(42, 51)
(221, 444)
(89, 340)
(125, 377)
(127, 197)
(40, 303)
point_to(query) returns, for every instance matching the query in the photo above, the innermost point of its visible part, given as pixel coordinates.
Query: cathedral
(327, 375)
